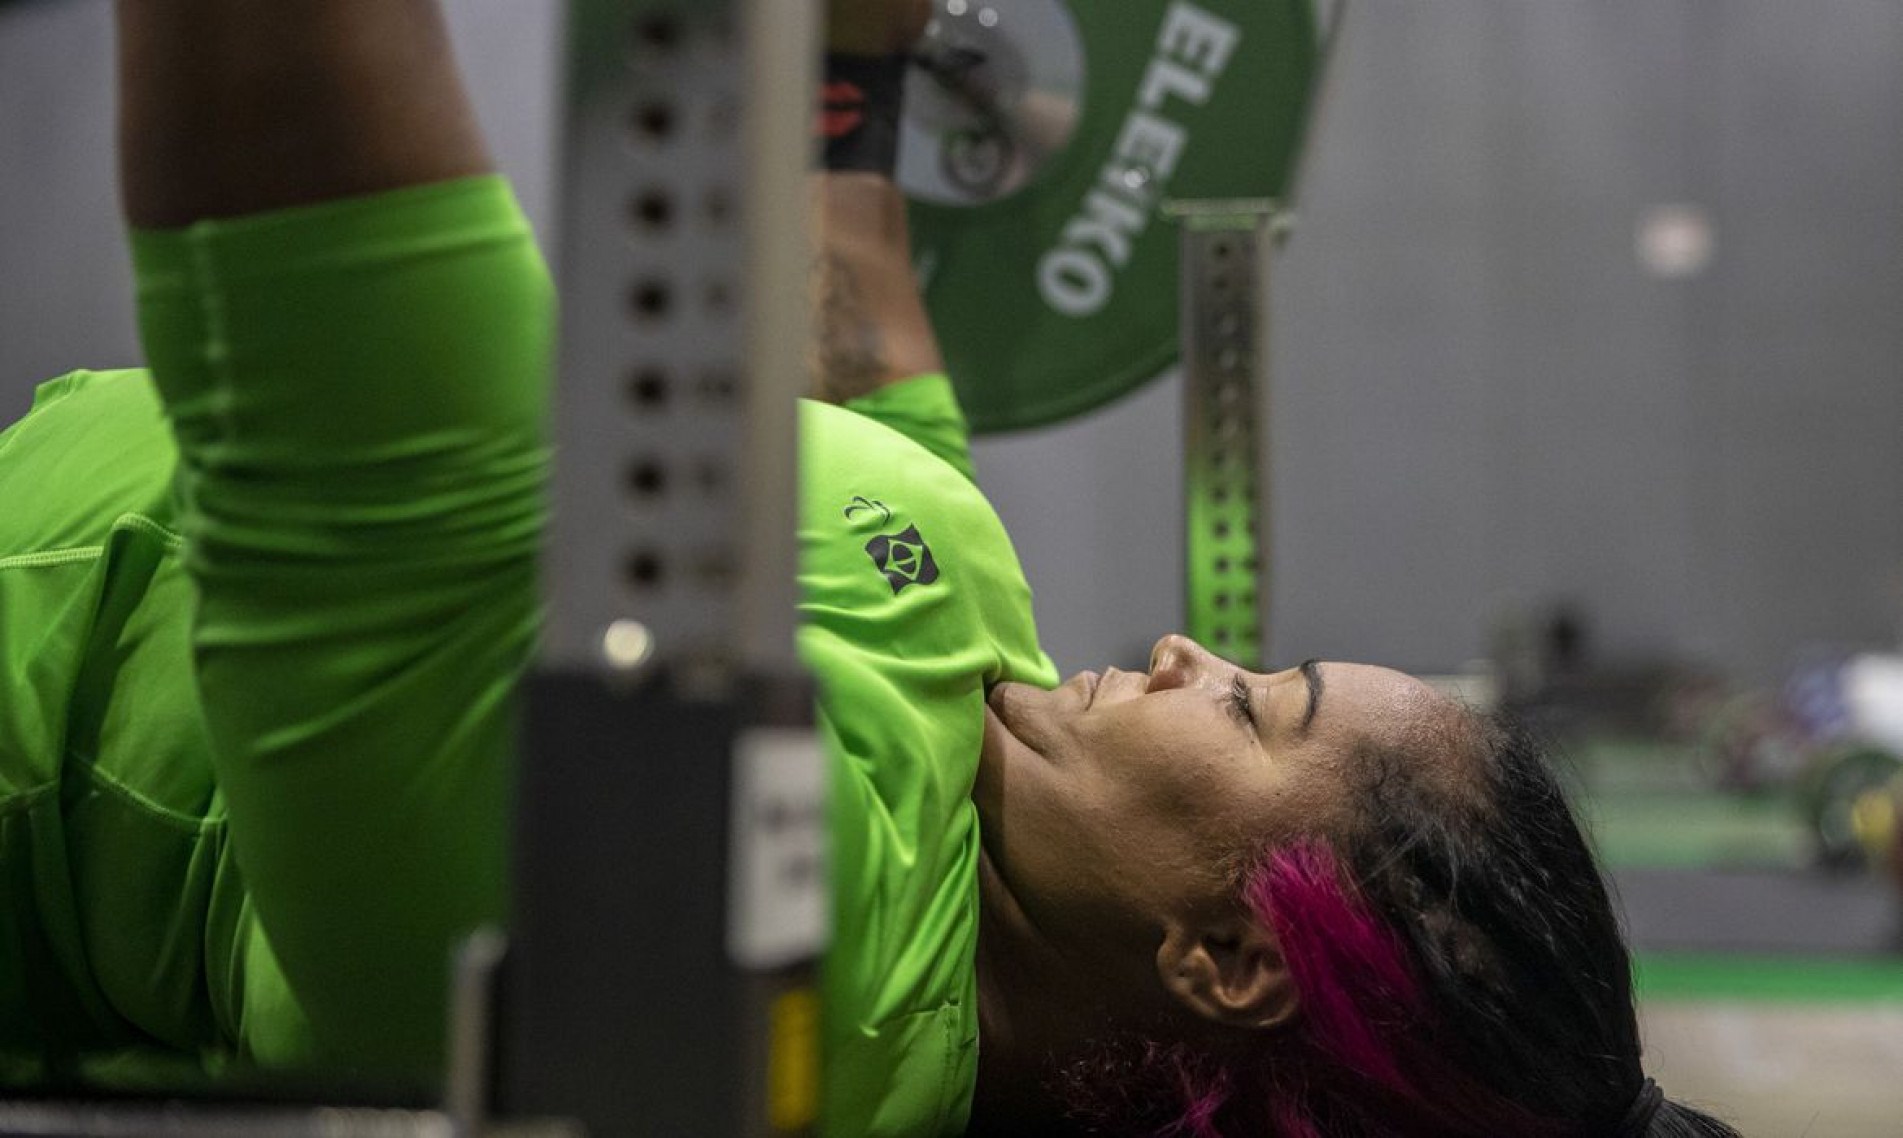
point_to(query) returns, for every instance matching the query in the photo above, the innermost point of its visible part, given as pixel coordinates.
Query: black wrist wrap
(860, 101)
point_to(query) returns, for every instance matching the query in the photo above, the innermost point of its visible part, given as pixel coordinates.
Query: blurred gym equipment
(1047, 149)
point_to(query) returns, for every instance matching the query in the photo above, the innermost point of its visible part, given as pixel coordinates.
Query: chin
(995, 749)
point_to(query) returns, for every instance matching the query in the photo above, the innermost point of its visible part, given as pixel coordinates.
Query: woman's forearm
(869, 326)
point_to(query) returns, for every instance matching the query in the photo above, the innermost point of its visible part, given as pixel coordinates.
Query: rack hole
(719, 386)
(650, 299)
(647, 478)
(659, 32)
(648, 388)
(716, 569)
(644, 569)
(651, 209)
(652, 121)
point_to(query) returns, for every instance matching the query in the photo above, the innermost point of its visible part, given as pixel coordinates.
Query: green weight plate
(1830, 794)
(1041, 139)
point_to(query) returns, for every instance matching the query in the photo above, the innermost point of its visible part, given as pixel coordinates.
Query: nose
(1178, 662)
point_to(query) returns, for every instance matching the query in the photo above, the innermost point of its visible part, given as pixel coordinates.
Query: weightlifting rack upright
(669, 878)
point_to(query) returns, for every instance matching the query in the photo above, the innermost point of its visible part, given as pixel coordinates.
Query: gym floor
(1771, 992)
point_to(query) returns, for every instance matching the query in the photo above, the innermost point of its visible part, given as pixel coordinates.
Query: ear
(1230, 972)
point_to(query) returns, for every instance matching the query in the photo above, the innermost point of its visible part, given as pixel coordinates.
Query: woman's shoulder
(849, 459)
(104, 399)
(93, 449)
(893, 534)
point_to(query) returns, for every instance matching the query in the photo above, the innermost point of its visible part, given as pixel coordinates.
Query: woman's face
(1117, 802)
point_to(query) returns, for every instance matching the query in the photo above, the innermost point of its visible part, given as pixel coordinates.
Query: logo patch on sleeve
(864, 505)
(904, 558)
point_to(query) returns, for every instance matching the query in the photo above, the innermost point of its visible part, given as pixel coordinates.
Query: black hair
(1508, 922)
(1459, 962)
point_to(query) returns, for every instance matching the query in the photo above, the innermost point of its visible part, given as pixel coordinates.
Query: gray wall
(1484, 403)
(65, 296)
(65, 284)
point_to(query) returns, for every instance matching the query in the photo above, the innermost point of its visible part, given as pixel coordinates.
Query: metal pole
(671, 893)
(1224, 287)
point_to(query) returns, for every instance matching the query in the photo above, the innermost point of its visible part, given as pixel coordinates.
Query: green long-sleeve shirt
(260, 624)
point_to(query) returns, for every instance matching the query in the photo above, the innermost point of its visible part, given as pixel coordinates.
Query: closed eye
(1240, 705)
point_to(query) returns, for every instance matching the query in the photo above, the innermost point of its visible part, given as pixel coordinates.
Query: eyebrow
(1312, 672)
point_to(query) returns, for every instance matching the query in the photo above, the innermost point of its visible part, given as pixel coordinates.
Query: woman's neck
(1026, 1019)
